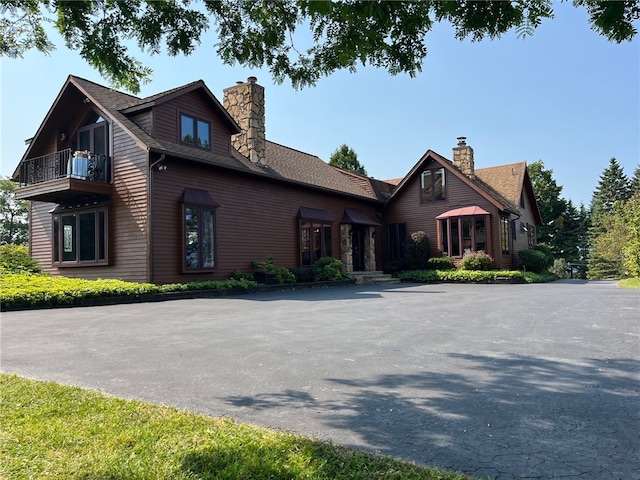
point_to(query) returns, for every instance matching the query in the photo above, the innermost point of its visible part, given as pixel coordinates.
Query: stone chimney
(245, 103)
(463, 158)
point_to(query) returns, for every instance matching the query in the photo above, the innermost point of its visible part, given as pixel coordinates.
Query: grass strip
(54, 431)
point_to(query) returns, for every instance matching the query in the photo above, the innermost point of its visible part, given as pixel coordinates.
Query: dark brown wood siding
(143, 120)
(256, 219)
(127, 220)
(407, 207)
(166, 120)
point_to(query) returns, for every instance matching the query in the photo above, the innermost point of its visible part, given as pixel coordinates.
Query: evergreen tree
(610, 231)
(614, 186)
(635, 181)
(346, 158)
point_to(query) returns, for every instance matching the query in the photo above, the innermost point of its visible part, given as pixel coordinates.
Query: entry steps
(374, 278)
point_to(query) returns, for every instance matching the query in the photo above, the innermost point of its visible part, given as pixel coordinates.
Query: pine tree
(614, 186)
(635, 181)
(609, 232)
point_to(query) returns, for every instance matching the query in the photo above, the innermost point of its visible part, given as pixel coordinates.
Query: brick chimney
(245, 103)
(463, 158)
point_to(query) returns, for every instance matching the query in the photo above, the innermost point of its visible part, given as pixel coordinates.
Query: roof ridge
(75, 77)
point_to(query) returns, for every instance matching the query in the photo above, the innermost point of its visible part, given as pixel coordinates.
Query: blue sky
(565, 96)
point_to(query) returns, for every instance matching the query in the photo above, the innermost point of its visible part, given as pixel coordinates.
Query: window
(433, 185)
(531, 235)
(504, 235)
(315, 235)
(80, 237)
(396, 238)
(199, 239)
(195, 132)
(93, 136)
(315, 241)
(460, 235)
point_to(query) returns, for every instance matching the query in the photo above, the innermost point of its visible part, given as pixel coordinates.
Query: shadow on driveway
(505, 417)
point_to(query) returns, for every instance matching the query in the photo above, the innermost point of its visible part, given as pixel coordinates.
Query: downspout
(150, 221)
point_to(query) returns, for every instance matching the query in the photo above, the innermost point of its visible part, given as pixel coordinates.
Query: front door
(358, 235)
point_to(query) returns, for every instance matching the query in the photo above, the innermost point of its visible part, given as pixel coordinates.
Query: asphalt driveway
(507, 381)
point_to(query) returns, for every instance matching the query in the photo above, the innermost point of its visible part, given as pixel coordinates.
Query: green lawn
(53, 431)
(630, 283)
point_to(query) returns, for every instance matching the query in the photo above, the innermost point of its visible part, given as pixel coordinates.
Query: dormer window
(195, 132)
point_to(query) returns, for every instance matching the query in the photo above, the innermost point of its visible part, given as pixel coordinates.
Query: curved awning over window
(198, 197)
(463, 212)
(314, 214)
(353, 215)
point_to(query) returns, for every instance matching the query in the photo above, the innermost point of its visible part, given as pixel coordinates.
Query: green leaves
(265, 33)
(346, 158)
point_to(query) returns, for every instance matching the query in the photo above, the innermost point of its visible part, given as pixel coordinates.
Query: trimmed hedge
(473, 276)
(44, 290)
(441, 263)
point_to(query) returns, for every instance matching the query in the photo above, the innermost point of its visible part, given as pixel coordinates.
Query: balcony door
(94, 138)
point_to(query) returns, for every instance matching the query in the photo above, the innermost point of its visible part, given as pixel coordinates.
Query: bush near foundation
(476, 261)
(16, 259)
(328, 269)
(535, 260)
(441, 263)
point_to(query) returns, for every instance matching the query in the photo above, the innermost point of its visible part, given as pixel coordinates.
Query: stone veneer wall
(245, 103)
(346, 254)
(370, 251)
(463, 159)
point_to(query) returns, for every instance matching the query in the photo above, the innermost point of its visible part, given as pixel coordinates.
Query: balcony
(63, 176)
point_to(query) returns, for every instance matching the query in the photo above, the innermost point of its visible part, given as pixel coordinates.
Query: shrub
(560, 268)
(304, 274)
(441, 263)
(16, 259)
(240, 275)
(547, 252)
(284, 275)
(328, 269)
(535, 260)
(417, 251)
(476, 261)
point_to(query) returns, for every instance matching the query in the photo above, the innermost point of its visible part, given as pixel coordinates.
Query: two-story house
(179, 187)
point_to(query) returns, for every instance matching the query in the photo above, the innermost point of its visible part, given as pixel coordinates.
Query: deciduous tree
(14, 225)
(346, 158)
(263, 33)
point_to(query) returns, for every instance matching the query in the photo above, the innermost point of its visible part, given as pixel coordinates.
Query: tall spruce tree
(608, 233)
(614, 186)
(635, 181)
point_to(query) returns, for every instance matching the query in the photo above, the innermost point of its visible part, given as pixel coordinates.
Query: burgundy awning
(463, 212)
(353, 215)
(306, 213)
(199, 197)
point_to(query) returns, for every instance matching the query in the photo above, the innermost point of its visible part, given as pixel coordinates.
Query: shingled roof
(282, 163)
(506, 180)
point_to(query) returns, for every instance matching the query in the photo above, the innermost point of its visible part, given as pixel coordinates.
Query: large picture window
(80, 237)
(195, 132)
(460, 235)
(199, 238)
(433, 185)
